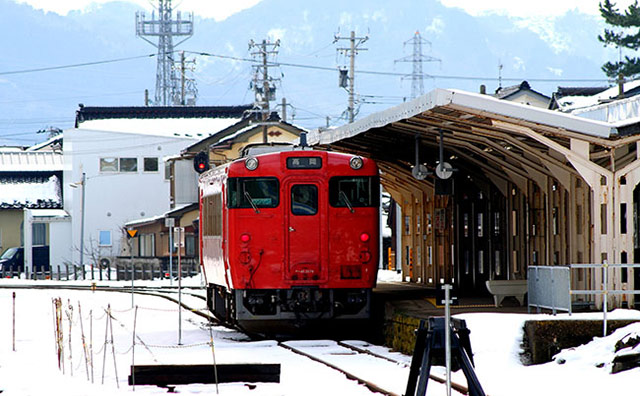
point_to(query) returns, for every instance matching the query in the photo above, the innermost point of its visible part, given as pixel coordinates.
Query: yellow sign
(132, 233)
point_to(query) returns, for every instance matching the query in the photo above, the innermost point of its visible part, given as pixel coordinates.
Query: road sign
(132, 233)
(169, 222)
(178, 236)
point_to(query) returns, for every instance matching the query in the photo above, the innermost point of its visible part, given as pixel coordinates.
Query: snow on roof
(17, 192)
(194, 128)
(457, 99)
(153, 219)
(620, 112)
(49, 213)
(37, 161)
(237, 133)
(570, 104)
(47, 142)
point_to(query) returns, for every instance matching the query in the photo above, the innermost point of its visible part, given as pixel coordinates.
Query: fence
(121, 269)
(548, 287)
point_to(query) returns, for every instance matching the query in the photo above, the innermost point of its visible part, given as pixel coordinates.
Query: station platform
(400, 306)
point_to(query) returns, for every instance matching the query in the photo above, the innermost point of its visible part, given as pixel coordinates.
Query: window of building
(39, 234)
(150, 164)
(105, 238)
(128, 164)
(147, 245)
(109, 164)
(167, 170)
(190, 245)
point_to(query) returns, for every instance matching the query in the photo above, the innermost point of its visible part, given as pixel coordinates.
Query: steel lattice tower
(168, 89)
(417, 77)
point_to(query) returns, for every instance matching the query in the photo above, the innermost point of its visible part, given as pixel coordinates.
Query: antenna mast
(168, 84)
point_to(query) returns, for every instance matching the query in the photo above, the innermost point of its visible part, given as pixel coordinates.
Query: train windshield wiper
(253, 205)
(346, 200)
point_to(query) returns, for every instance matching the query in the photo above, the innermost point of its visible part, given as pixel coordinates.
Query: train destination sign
(304, 163)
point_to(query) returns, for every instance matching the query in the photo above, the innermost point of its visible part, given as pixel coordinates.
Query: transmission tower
(265, 54)
(168, 87)
(417, 77)
(351, 52)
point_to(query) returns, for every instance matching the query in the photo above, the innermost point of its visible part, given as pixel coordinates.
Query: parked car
(12, 260)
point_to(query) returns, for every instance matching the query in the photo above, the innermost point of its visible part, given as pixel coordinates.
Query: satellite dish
(444, 170)
(420, 172)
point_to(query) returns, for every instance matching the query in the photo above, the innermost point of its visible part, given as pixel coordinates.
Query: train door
(304, 233)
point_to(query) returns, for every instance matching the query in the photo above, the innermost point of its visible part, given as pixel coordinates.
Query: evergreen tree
(628, 37)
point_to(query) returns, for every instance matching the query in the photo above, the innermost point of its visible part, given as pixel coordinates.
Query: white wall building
(115, 156)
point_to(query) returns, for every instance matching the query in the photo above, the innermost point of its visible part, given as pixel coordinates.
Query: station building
(519, 186)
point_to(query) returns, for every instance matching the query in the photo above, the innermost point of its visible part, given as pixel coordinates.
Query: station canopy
(477, 133)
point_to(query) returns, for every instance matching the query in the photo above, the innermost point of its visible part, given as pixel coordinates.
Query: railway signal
(201, 162)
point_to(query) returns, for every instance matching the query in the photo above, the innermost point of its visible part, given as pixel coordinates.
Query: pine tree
(628, 21)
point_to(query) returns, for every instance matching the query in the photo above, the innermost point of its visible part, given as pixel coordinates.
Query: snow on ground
(33, 368)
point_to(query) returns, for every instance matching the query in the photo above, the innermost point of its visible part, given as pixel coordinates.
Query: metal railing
(604, 292)
(550, 287)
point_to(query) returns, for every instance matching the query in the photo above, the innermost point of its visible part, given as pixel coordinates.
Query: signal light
(364, 237)
(201, 162)
(245, 237)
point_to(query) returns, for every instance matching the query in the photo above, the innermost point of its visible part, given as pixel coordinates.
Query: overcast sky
(220, 9)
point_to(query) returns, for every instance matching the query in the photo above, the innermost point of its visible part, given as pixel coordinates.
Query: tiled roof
(30, 191)
(86, 113)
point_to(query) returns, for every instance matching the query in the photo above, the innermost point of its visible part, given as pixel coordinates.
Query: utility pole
(284, 109)
(165, 28)
(417, 59)
(351, 52)
(263, 85)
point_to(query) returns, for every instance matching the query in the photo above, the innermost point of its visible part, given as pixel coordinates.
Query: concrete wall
(113, 198)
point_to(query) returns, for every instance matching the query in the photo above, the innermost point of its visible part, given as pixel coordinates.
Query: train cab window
(354, 191)
(249, 192)
(304, 199)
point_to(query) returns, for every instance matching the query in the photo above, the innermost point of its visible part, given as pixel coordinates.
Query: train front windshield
(354, 191)
(247, 192)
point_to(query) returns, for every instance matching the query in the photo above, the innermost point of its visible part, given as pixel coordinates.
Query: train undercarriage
(284, 311)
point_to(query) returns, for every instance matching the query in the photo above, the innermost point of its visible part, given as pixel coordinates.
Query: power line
(41, 69)
(397, 74)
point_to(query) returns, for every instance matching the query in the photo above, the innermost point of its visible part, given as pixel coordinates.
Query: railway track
(356, 362)
(352, 358)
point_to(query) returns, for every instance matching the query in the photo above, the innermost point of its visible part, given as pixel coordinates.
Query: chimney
(620, 86)
(483, 89)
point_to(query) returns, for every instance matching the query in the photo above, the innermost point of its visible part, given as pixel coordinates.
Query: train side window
(304, 199)
(354, 191)
(247, 192)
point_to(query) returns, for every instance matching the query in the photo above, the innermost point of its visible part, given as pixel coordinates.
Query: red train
(290, 238)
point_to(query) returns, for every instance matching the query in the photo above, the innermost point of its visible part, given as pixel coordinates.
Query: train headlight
(245, 237)
(251, 163)
(356, 163)
(364, 237)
